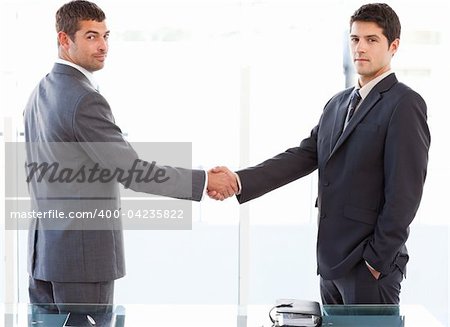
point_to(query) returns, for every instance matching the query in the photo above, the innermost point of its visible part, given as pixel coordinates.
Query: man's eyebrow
(365, 36)
(95, 32)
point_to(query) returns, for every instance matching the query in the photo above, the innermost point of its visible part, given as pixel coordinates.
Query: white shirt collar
(88, 74)
(365, 90)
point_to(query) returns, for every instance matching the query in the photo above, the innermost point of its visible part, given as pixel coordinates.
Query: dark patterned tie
(353, 104)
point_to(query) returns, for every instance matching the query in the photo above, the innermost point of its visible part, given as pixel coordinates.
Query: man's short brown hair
(70, 14)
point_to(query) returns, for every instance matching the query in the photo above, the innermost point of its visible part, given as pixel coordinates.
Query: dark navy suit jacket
(371, 177)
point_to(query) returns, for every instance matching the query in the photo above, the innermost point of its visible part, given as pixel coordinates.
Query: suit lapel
(341, 114)
(366, 106)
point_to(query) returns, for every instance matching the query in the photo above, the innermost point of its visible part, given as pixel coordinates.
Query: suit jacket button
(326, 183)
(323, 216)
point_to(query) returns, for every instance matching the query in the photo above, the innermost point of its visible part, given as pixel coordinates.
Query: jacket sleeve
(102, 140)
(405, 166)
(280, 170)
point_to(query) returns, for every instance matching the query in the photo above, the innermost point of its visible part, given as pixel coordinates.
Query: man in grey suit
(371, 151)
(68, 122)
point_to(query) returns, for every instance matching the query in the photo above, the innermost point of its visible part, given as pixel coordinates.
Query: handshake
(222, 183)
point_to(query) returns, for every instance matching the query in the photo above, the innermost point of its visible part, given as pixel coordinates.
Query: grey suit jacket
(69, 122)
(371, 177)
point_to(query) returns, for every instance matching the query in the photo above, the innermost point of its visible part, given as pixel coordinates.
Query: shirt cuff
(239, 184)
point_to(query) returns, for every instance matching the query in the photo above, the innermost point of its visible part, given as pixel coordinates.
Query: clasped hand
(222, 183)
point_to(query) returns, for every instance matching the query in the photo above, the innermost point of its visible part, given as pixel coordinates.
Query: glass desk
(141, 315)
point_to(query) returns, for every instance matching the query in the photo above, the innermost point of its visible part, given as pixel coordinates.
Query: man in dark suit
(371, 151)
(69, 125)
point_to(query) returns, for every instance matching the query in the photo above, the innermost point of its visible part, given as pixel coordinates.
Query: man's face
(89, 47)
(370, 49)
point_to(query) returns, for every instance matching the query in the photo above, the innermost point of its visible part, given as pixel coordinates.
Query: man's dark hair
(381, 14)
(70, 14)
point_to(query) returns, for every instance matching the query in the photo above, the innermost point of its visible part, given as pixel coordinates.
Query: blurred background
(243, 81)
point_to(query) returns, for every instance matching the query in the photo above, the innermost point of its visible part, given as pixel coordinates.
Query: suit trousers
(360, 287)
(41, 291)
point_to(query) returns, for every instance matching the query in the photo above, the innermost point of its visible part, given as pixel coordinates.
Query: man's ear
(63, 40)
(394, 46)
